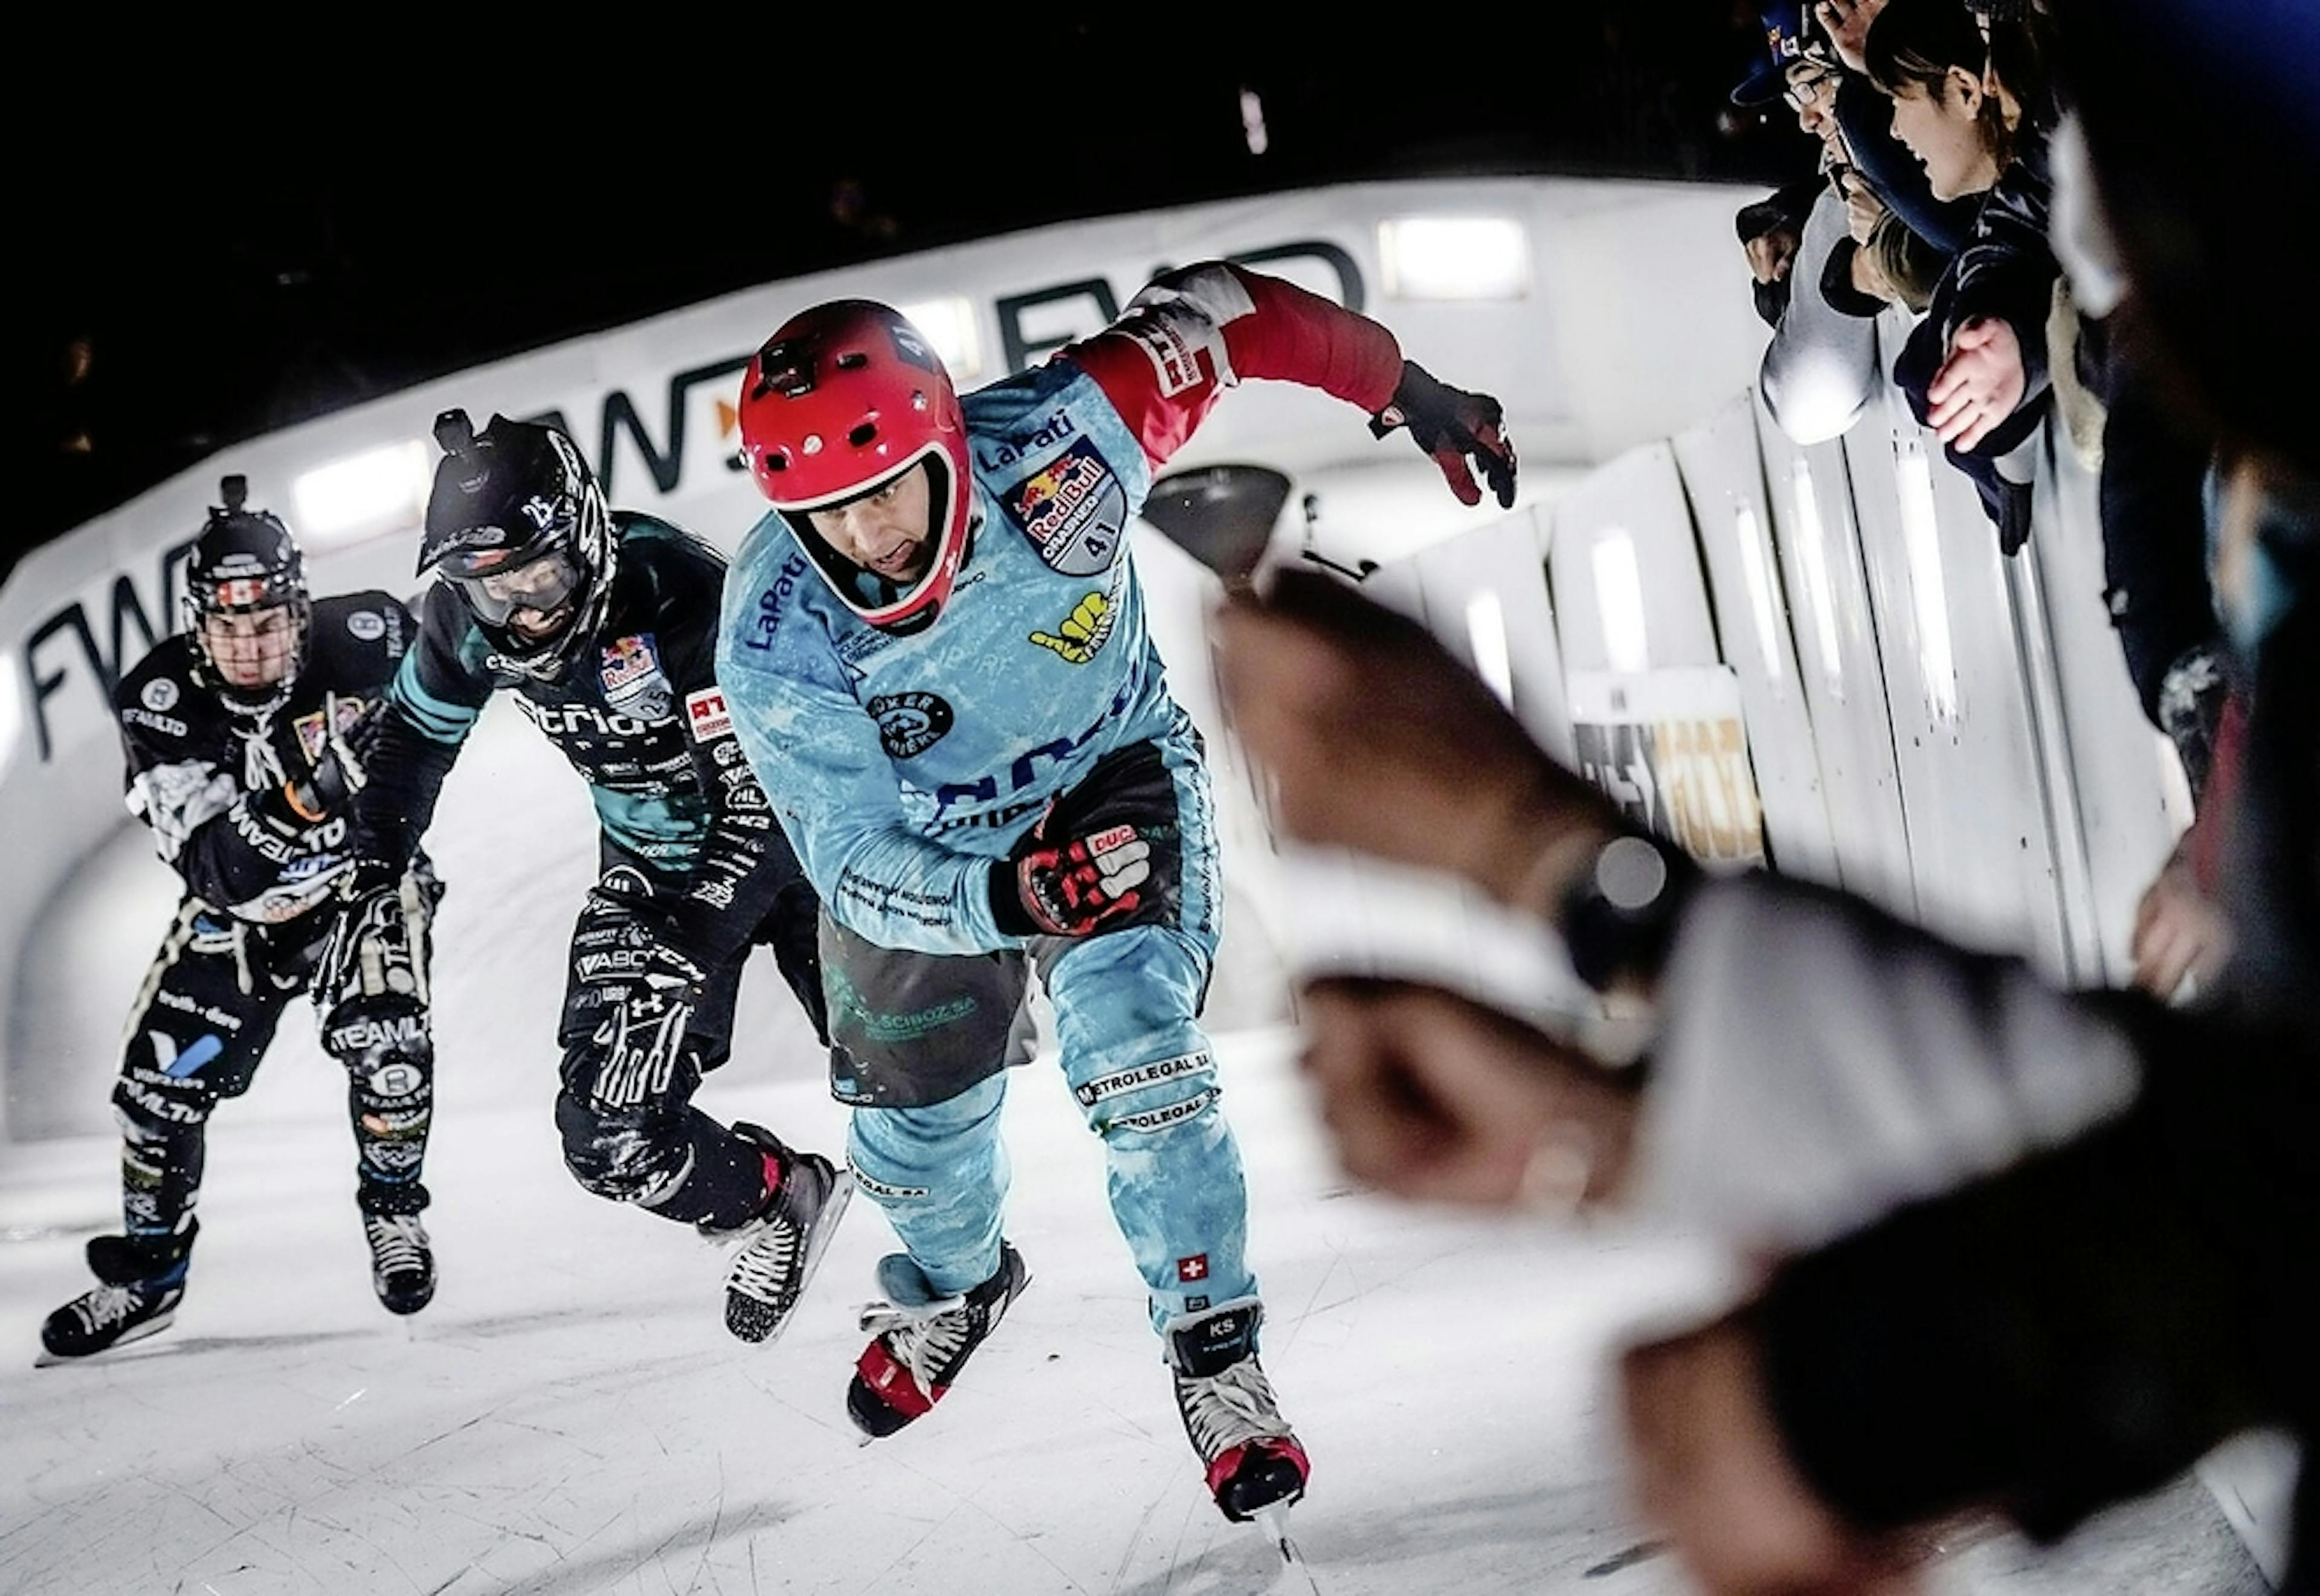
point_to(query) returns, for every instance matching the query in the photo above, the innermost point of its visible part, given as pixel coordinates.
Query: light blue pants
(1126, 1006)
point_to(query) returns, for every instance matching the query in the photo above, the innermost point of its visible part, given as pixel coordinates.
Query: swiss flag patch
(706, 713)
(1195, 1267)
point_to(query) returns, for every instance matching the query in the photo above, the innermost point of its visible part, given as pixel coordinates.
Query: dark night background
(221, 243)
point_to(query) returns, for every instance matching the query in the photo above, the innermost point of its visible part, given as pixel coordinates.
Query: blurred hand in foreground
(1432, 1096)
(2179, 933)
(1711, 1472)
(1374, 738)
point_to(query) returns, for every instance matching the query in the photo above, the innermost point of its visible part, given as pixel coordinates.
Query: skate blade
(1275, 1522)
(151, 1326)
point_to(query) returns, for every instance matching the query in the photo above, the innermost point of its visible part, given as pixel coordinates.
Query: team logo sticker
(369, 625)
(160, 693)
(1083, 633)
(311, 733)
(910, 723)
(1074, 510)
(632, 680)
(706, 713)
(1175, 358)
(396, 1080)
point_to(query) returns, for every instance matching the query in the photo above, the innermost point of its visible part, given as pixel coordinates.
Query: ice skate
(402, 1261)
(923, 1340)
(1255, 1467)
(780, 1248)
(142, 1281)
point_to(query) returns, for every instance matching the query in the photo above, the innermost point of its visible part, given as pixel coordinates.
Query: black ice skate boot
(1253, 1460)
(923, 1340)
(778, 1251)
(402, 1261)
(144, 1278)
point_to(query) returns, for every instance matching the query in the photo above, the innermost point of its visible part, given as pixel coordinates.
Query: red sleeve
(1200, 330)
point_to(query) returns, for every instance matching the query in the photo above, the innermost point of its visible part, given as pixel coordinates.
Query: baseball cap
(1790, 37)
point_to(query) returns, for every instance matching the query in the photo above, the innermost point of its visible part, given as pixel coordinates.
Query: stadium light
(1619, 600)
(1252, 122)
(1455, 257)
(948, 324)
(379, 490)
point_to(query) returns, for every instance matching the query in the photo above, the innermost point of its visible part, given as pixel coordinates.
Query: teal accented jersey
(902, 766)
(637, 715)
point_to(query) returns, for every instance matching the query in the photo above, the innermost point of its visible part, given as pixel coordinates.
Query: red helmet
(841, 400)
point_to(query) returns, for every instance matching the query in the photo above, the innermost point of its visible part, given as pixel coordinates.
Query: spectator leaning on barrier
(1883, 161)
(1821, 366)
(1969, 98)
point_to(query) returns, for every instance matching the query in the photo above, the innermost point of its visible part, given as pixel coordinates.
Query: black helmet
(518, 526)
(245, 565)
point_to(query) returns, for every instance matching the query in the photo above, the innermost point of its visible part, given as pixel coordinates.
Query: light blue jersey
(902, 765)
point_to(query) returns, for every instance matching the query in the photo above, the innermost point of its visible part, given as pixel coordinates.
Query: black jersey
(637, 715)
(193, 765)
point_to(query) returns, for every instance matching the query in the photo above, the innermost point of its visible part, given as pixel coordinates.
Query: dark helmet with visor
(517, 525)
(246, 603)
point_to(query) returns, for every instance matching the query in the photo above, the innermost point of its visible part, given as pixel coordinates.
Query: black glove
(1106, 855)
(650, 994)
(369, 878)
(370, 902)
(320, 786)
(1452, 425)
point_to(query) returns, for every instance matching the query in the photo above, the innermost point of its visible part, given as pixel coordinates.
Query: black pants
(207, 1011)
(625, 1113)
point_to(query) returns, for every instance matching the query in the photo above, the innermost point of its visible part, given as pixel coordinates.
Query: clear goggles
(542, 583)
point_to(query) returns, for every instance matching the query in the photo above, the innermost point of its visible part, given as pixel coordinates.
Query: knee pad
(1150, 1098)
(627, 1154)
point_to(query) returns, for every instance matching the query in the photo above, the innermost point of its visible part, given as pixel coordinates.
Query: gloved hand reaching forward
(318, 787)
(1107, 854)
(1452, 426)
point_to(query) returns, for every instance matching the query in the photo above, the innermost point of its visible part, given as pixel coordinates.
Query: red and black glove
(1106, 855)
(1452, 426)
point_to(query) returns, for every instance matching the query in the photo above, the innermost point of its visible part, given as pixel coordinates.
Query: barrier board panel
(1723, 472)
(1623, 567)
(1973, 790)
(1486, 597)
(2131, 803)
(1817, 535)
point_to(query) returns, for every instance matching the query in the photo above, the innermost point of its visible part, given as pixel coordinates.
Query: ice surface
(569, 1415)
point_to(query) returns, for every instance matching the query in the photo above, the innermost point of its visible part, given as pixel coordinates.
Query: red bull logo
(626, 659)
